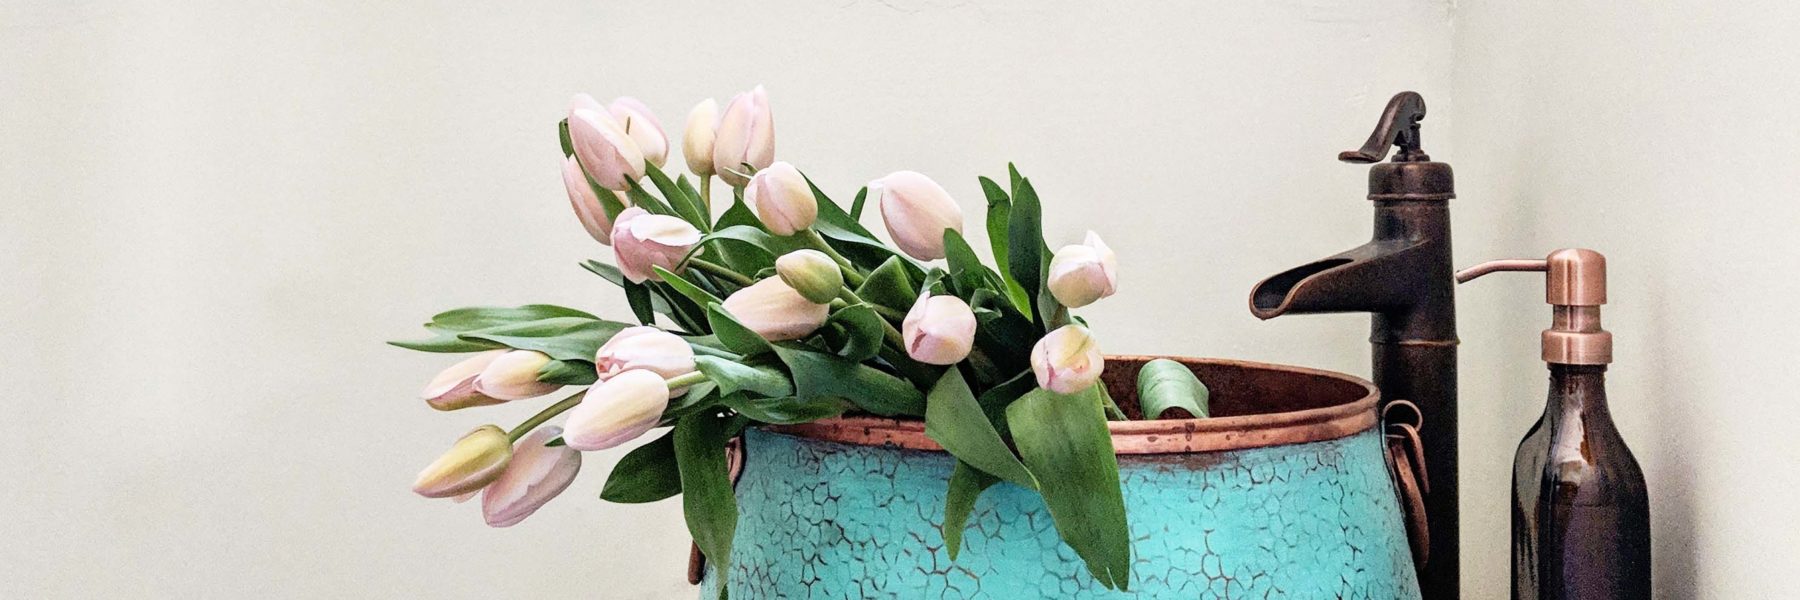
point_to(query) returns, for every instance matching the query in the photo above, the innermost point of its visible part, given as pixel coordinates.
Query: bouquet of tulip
(785, 310)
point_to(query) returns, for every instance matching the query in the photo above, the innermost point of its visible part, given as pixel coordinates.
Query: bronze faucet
(1405, 279)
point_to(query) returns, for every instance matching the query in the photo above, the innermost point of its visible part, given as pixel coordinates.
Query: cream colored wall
(213, 213)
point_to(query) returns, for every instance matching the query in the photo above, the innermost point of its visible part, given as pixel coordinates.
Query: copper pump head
(1575, 285)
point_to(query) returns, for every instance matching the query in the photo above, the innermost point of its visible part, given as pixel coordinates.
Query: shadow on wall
(1672, 500)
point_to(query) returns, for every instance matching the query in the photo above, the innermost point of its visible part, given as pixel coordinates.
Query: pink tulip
(746, 135)
(536, 474)
(617, 410)
(939, 330)
(646, 348)
(471, 464)
(1083, 273)
(635, 119)
(642, 240)
(454, 388)
(607, 153)
(1067, 360)
(587, 204)
(782, 200)
(775, 311)
(514, 376)
(697, 137)
(916, 211)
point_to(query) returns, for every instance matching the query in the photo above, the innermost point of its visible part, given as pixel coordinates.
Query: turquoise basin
(1284, 494)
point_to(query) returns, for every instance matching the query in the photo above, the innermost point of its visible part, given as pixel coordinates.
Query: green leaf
(863, 331)
(736, 256)
(449, 323)
(995, 400)
(707, 500)
(966, 270)
(651, 204)
(638, 296)
(702, 396)
(889, 286)
(785, 411)
(1164, 384)
(687, 288)
(966, 485)
(818, 375)
(1063, 439)
(646, 474)
(999, 219)
(733, 377)
(1026, 252)
(856, 206)
(482, 317)
(686, 207)
(446, 342)
(562, 338)
(734, 335)
(568, 372)
(562, 134)
(955, 420)
(855, 240)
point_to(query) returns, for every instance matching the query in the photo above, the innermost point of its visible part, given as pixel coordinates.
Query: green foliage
(562, 338)
(859, 331)
(687, 207)
(966, 485)
(1164, 384)
(733, 377)
(890, 286)
(707, 500)
(818, 375)
(646, 474)
(955, 420)
(1063, 439)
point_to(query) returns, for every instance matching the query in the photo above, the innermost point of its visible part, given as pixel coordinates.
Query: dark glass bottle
(1581, 511)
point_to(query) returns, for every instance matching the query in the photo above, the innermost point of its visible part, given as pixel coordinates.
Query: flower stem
(818, 243)
(706, 195)
(545, 415)
(716, 269)
(686, 379)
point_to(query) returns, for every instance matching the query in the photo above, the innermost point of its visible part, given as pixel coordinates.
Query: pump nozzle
(1575, 285)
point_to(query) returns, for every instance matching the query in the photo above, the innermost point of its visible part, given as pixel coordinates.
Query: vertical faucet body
(1405, 279)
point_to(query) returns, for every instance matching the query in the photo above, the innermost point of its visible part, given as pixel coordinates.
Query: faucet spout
(1361, 279)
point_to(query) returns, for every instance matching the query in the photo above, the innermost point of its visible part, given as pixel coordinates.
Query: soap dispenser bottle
(1581, 511)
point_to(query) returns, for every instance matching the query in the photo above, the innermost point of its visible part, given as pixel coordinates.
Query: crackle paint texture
(830, 520)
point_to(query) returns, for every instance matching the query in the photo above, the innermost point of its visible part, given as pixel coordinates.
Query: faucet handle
(1399, 126)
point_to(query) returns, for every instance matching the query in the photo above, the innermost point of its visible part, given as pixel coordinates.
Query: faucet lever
(1399, 126)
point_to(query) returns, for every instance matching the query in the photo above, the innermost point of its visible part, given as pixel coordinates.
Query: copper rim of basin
(1351, 412)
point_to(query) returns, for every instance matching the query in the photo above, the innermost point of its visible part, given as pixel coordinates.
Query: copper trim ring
(1163, 436)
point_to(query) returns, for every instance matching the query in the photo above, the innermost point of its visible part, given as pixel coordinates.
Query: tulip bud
(455, 387)
(811, 273)
(939, 330)
(608, 154)
(1067, 360)
(697, 137)
(587, 204)
(781, 199)
(536, 474)
(617, 410)
(635, 120)
(746, 134)
(1082, 273)
(475, 461)
(646, 348)
(642, 240)
(775, 311)
(916, 211)
(514, 376)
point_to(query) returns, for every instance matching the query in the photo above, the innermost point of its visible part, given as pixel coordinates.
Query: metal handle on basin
(1406, 463)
